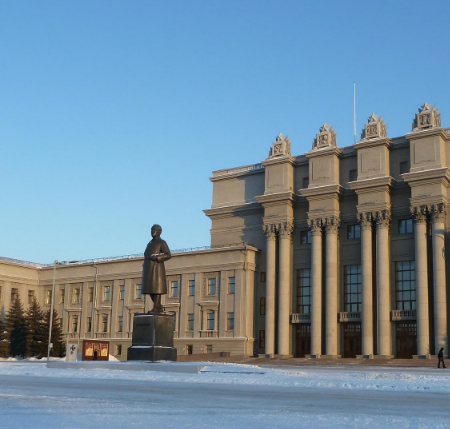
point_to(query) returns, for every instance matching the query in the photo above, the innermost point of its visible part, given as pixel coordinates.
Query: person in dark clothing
(95, 355)
(441, 358)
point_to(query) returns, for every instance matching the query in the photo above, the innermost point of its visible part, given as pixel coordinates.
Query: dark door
(352, 340)
(406, 340)
(303, 340)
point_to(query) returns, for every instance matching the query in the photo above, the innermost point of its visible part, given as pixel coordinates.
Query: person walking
(441, 358)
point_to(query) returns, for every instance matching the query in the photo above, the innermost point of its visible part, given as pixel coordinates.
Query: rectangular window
(231, 284)
(230, 321)
(88, 324)
(61, 296)
(352, 175)
(262, 339)
(304, 291)
(106, 293)
(175, 321)
(191, 287)
(91, 294)
(211, 286)
(121, 292)
(76, 296)
(119, 350)
(405, 226)
(75, 324)
(120, 324)
(138, 291)
(190, 320)
(262, 278)
(174, 289)
(305, 182)
(48, 296)
(209, 348)
(352, 288)
(30, 296)
(210, 319)
(189, 349)
(353, 232)
(105, 323)
(405, 285)
(262, 306)
(305, 237)
(404, 167)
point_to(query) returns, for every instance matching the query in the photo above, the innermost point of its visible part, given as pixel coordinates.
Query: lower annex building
(338, 252)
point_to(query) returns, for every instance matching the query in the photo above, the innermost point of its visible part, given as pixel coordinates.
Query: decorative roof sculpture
(325, 138)
(281, 147)
(374, 129)
(426, 118)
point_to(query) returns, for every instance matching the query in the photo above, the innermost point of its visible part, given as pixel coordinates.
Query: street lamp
(51, 314)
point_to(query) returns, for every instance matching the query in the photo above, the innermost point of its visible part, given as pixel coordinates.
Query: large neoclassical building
(339, 252)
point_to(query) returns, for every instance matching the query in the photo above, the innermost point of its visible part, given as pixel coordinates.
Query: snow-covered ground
(224, 395)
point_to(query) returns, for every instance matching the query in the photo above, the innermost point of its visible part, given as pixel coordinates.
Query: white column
(284, 290)
(316, 290)
(438, 213)
(367, 281)
(331, 282)
(383, 284)
(270, 231)
(420, 242)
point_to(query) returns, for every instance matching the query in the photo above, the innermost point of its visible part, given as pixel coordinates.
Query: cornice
(382, 141)
(241, 208)
(284, 159)
(279, 197)
(314, 153)
(428, 200)
(429, 132)
(237, 173)
(427, 177)
(361, 186)
(321, 191)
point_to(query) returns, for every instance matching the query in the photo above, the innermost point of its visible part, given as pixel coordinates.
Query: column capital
(383, 218)
(438, 212)
(270, 230)
(419, 213)
(332, 224)
(365, 219)
(316, 226)
(285, 229)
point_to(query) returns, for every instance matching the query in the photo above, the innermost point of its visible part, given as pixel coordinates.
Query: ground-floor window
(209, 348)
(189, 349)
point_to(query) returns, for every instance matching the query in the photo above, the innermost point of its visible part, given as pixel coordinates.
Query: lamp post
(51, 313)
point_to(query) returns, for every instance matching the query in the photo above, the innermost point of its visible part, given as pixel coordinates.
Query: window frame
(354, 232)
(304, 291)
(230, 321)
(409, 226)
(352, 288)
(191, 287)
(231, 290)
(190, 323)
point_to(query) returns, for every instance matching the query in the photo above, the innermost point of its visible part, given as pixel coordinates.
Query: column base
(283, 356)
(370, 356)
(268, 355)
(331, 356)
(313, 356)
(428, 356)
(383, 357)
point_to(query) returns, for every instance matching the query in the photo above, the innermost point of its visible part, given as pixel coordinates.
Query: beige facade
(340, 252)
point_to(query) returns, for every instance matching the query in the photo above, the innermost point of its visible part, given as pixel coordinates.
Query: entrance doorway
(303, 344)
(352, 340)
(406, 340)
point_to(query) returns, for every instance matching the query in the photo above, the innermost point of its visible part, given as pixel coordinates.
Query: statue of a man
(154, 272)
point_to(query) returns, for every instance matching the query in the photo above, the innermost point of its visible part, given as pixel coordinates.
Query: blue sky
(113, 114)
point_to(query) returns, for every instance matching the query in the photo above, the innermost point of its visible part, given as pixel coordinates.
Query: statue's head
(156, 231)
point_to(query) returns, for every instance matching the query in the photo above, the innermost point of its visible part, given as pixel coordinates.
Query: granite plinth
(152, 338)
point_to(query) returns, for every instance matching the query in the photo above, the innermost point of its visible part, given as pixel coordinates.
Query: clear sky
(113, 114)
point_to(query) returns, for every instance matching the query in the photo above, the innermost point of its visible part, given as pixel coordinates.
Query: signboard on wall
(71, 352)
(95, 350)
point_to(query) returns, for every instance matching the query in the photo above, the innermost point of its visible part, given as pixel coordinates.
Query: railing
(300, 318)
(19, 261)
(208, 334)
(399, 315)
(349, 316)
(103, 335)
(73, 335)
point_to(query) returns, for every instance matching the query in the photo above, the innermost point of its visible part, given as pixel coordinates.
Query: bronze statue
(154, 272)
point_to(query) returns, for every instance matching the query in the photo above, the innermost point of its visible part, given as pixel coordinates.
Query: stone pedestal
(152, 338)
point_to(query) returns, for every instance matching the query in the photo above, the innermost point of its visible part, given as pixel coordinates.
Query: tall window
(88, 324)
(120, 324)
(174, 320)
(262, 306)
(74, 324)
(104, 323)
(119, 350)
(305, 237)
(122, 292)
(30, 296)
(106, 293)
(304, 291)
(211, 286)
(353, 232)
(262, 339)
(405, 285)
(352, 288)
(174, 289)
(230, 321)
(91, 294)
(262, 277)
(405, 226)
(231, 284)
(209, 348)
(189, 349)
(48, 296)
(210, 321)
(138, 292)
(76, 296)
(191, 287)
(61, 296)
(190, 320)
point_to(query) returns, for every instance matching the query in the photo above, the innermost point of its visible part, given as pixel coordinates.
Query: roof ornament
(325, 138)
(374, 129)
(426, 118)
(281, 147)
